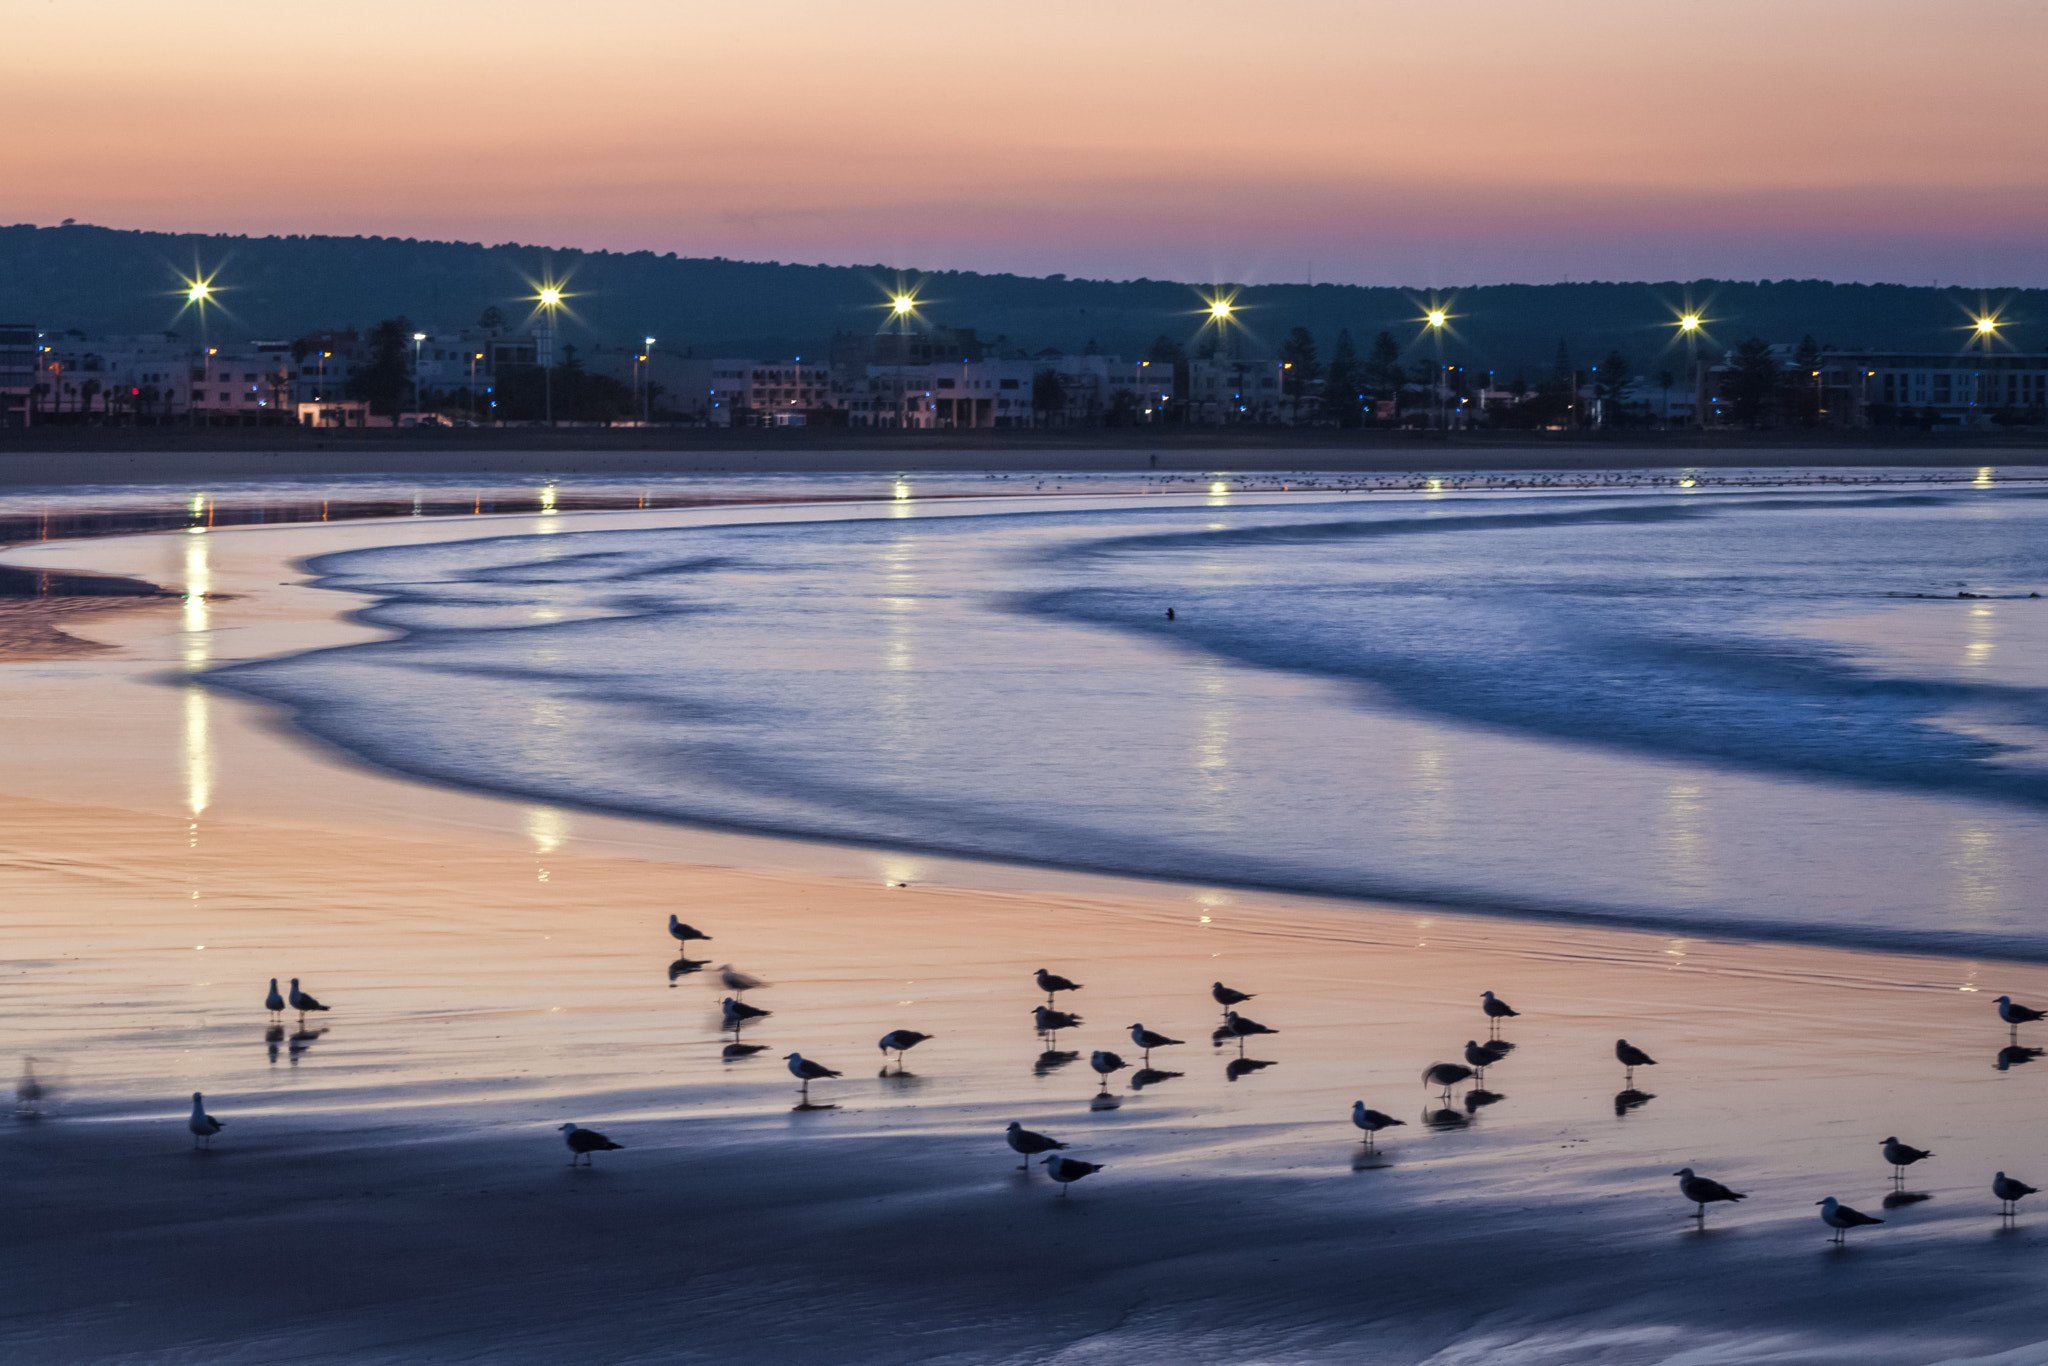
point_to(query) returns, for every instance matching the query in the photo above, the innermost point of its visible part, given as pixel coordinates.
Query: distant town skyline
(1370, 144)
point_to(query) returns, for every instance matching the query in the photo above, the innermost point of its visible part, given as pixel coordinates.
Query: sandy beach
(390, 1186)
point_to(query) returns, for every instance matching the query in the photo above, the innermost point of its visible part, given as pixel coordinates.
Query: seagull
(1049, 983)
(1068, 1170)
(2016, 1015)
(1631, 1057)
(1703, 1192)
(1445, 1074)
(1227, 998)
(1901, 1157)
(737, 981)
(900, 1041)
(806, 1071)
(202, 1124)
(1105, 1062)
(1147, 1040)
(583, 1142)
(739, 1012)
(2009, 1193)
(1241, 1028)
(1371, 1121)
(274, 1003)
(682, 933)
(1841, 1218)
(1482, 1056)
(301, 1002)
(1496, 1009)
(1029, 1144)
(1050, 1021)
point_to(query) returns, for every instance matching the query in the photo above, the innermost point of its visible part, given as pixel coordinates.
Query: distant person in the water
(1169, 614)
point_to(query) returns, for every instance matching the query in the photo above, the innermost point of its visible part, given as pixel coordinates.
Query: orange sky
(1415, 143)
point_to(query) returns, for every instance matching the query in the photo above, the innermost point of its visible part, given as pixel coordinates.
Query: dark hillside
(101, 280)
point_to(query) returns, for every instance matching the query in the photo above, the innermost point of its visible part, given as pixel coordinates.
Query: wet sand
(393, 1188)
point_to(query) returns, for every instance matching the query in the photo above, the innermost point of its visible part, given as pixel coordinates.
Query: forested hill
(100, 280)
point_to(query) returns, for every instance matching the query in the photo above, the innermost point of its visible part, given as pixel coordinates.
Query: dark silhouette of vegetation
(579, 396)
(1384, 377)
(1752, 383)
(1048, 394)
(1302, 370)
(384, 380)
(1344, 384)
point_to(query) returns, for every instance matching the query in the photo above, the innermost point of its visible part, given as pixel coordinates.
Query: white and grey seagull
(302, 1001)
(1703, 1192)
(1029, 1144)
(1902, 1156)
(274, 1002)
(1841, 1218)
(1105, 1062)
(1050, 982)
(1147, 1040)
(806, 1071)
(736, 981)
(1228, 997)
(1445, 1075)
(738, 1013)
(1371, 1121)
(1068, 1170)
(1496, 1009)
(2009, 1193)
(2015, 1014)
(203, 1125)
(682, 933)
(583, 1142)
(901, 1041)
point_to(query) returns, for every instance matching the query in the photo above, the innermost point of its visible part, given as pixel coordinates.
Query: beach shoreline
(392, 1188)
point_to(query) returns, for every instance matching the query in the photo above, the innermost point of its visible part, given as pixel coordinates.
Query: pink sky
(1407, 143)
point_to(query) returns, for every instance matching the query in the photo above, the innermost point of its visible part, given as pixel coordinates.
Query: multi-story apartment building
(1003, 393)
(17, 373)
(756, 393)
(1222, 392)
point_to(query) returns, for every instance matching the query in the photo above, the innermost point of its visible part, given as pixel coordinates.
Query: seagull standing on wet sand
(901, 1041)
(274, 1002)
(1028, 1144)
(1227, 998)
(1068, 1170)
(583, 1142)
(1371, 1121)
(682, 933)
(1105, 1062)
(806, 1071)
(1445, 1075)
(1241, 1028)
(1050, 982)
(1703, 1192)
(2015, 1014)
(1631, 1057)
(302, 1002)
(737, 982)
(1496, 1009)
(1481, 1056)
(2009, 1193)
(1901, 1157)
(739, 1012)
(1147, 1040)
(203, 1125)
(1841, 1218)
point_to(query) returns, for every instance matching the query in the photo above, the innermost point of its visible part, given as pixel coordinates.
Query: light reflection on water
(1620, 707)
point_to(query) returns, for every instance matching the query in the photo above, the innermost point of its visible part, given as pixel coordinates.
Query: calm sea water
(1701, 712)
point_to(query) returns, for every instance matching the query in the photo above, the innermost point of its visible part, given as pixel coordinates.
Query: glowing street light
(903, 304)
(1437, 317)
(1987, 326)
(549, 297)
(1689, 323)
(1220, 310)
(200, 292)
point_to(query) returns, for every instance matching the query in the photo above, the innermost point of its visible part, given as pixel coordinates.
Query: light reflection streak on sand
(195, 650)
(1981, 627)
(1211, 756)
(1978, 863)
(901, 587)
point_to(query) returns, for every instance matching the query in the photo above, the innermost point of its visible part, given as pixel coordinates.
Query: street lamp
(647, 402)
(417, 338)
(549, 297)
(1436, 319)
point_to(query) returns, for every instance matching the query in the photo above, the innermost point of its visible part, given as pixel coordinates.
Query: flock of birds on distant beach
(1236, 1027)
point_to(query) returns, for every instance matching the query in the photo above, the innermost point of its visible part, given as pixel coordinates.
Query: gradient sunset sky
(1415, 143)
